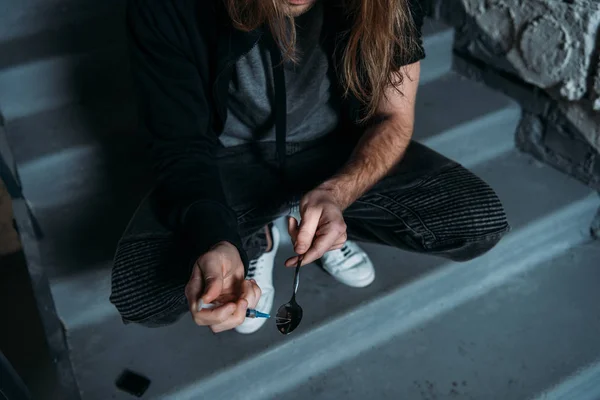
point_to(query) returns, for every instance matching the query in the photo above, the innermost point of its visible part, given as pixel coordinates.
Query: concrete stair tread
(532, 331)
(453, 101)
(437, 41)
(35, 16)
(432, 28)
(79, 125)
(78, 37)
(80, 45)
(93, 323)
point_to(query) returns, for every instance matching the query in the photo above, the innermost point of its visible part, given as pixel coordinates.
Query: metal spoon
(290, 314)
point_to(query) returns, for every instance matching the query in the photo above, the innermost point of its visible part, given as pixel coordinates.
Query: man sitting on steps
(255, 108)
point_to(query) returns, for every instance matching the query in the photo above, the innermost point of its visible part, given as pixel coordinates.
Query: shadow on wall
(71, 122)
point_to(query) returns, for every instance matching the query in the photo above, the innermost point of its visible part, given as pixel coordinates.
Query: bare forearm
(380, 149)
(383, 145)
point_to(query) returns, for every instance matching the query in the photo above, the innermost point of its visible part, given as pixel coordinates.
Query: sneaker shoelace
(339, 258)
(253, 268)
(343, 259)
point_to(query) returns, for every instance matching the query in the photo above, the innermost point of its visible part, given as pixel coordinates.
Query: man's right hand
(218, 276)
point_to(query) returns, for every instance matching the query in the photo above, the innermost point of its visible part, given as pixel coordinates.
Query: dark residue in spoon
(289, 315)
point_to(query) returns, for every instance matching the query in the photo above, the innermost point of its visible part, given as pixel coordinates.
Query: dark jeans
(427, 204)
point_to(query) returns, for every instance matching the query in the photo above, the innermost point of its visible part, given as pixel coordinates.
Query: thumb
(293, 228)
(194, 287)
(213, 284)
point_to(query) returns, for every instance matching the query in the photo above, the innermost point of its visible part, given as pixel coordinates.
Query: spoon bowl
(289, 315)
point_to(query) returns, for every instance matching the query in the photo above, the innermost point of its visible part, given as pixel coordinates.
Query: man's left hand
(322, 229)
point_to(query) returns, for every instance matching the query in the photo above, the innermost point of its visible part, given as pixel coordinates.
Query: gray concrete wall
(553, 45)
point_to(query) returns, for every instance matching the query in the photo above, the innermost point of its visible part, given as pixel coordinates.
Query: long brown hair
(376, 44)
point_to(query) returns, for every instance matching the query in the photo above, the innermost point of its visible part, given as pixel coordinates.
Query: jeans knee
(152, 310)
(473, 248)
(134, 312)
(156, 321)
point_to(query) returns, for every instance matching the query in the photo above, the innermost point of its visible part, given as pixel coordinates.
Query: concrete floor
(505, 331)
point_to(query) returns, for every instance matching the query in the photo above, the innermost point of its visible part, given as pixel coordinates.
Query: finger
(326, 227)
(249, 297)
(257, 291)
(292, 262)
(212, 277)
(308, 227)
(193, 288)
(293, 229)
(214, 316)
(320, 246)
(251, 293)
(234, 320)
(338, 244)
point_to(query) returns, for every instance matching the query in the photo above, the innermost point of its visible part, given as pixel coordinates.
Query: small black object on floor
(132, 383)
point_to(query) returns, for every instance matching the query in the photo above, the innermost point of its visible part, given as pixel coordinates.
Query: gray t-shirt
(312, 111)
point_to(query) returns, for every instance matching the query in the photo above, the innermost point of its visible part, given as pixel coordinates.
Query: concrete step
(549, 212)
(438, 40)
(28, 18)
(61, 51)
(464, 120)
(508, 327)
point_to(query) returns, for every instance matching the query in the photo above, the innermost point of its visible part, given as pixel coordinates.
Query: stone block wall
(545, 54)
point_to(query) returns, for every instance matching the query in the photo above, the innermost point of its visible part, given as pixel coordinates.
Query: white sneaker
(261, 270)
(350, 265)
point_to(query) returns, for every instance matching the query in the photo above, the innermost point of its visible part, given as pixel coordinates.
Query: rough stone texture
(549, 138)
(550, 44)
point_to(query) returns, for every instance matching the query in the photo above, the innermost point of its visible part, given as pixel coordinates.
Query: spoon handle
(297, 275)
